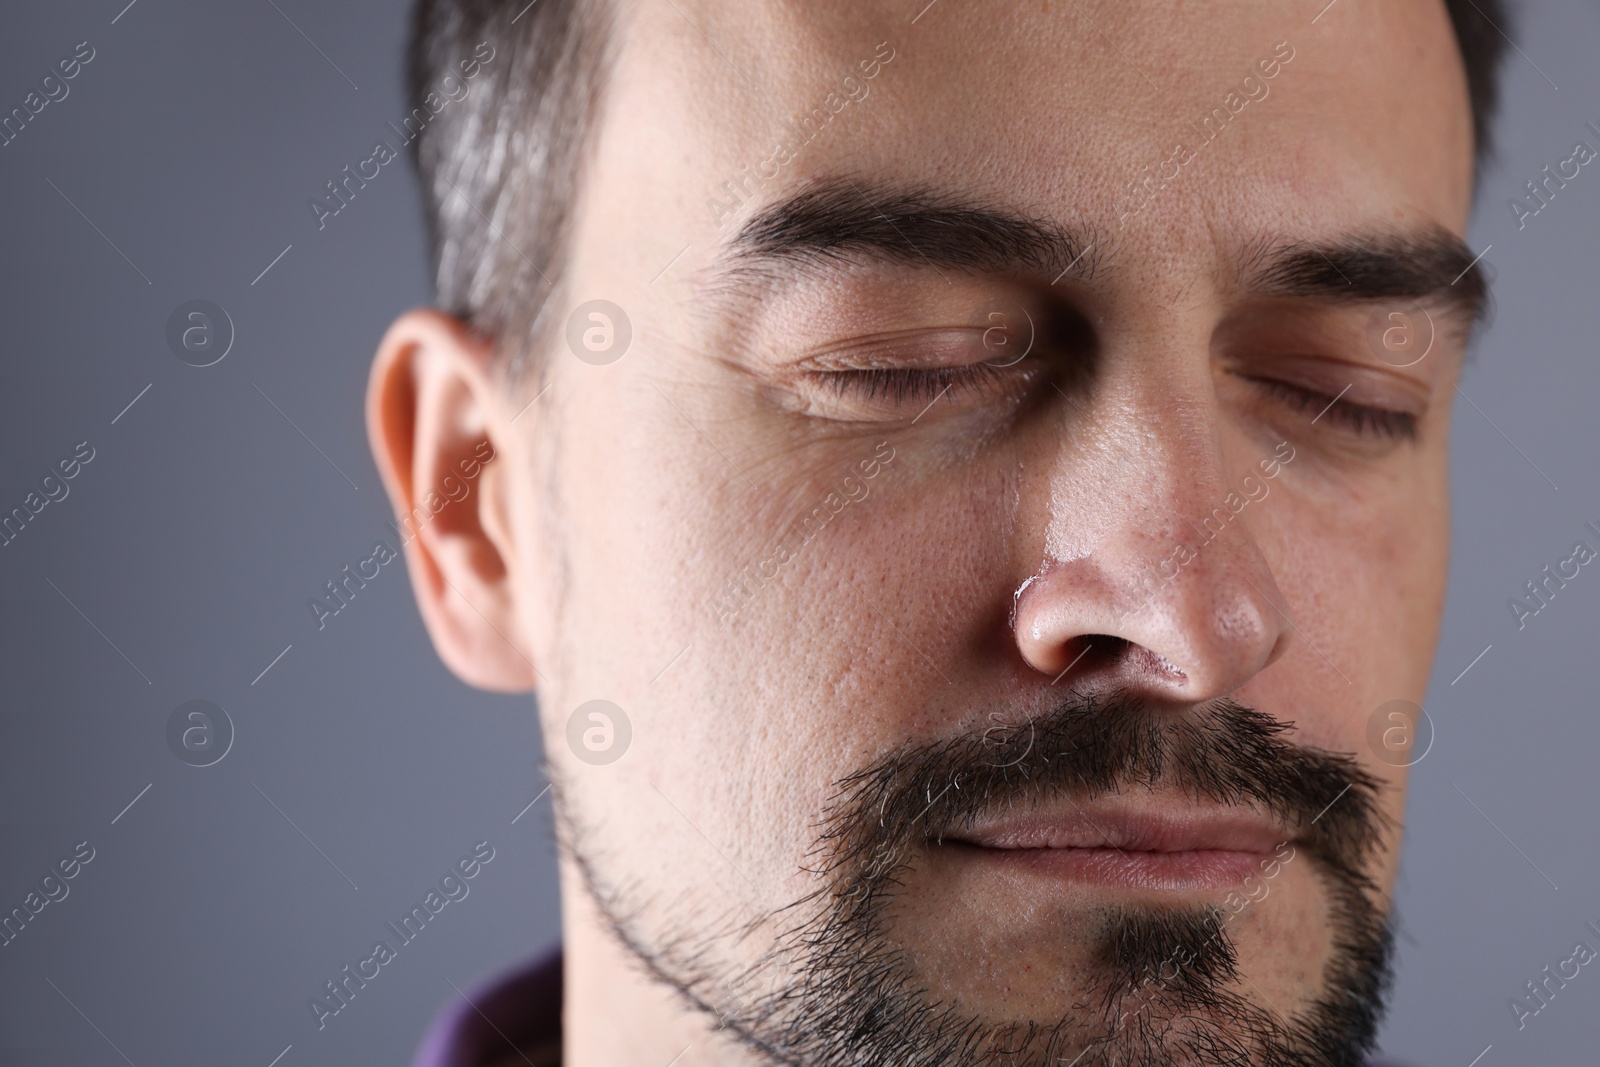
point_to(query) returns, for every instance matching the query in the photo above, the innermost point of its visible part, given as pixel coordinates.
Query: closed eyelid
(923, 346)
(909, 382)
(1357, 417)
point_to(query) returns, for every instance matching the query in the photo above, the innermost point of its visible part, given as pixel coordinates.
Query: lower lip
(1196, 869)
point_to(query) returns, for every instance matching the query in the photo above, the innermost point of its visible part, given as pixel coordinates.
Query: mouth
(1129, 842)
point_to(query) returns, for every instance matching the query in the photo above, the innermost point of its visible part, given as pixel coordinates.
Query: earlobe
(432, 415)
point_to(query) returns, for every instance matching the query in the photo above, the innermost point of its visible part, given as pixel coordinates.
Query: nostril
(1106, 648)
(1096, 653)
(1093, 652)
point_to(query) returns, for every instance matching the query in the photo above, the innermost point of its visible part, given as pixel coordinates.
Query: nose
(1152, 578)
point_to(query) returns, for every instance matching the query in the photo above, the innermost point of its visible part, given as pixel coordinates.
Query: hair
(502, 166)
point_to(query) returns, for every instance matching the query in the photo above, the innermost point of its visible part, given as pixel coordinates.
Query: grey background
(189, 545)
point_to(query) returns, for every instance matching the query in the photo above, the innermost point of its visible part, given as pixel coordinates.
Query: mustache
(1089, 745)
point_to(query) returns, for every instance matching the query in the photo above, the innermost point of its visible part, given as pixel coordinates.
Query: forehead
(1057, 107)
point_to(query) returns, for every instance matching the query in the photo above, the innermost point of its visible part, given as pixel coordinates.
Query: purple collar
(514, 1019)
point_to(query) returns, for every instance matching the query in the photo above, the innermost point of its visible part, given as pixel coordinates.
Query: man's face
(1029, 382)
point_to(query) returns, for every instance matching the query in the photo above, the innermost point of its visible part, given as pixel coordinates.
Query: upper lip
(1128, 823)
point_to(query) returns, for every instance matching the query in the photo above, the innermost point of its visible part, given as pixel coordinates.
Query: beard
(833, 987)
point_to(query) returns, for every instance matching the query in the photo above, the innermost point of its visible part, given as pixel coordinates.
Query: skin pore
(1035, 553)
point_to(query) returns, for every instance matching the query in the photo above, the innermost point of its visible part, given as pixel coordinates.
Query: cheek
(821, 664)
(1364, 585)
(659, 535)
(1402, 549)
(1363, 573)
(868, 634)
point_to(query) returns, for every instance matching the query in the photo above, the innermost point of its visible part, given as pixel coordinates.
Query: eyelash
(911, 383)
(901, 384)
(1364, 420)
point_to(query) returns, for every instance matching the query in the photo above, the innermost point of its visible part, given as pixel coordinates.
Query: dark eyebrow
(838, 220)
(841, 220)
(1428, 264)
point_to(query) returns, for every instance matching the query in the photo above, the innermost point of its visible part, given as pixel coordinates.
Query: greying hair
(501, 168)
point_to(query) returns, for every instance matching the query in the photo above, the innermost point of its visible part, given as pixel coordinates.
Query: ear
(431, 421)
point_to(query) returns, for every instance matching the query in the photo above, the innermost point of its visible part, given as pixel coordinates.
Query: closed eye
(899, 373)
(1361, 419)
(902, 384)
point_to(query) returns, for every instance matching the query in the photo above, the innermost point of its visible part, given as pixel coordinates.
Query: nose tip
(1199, 634)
